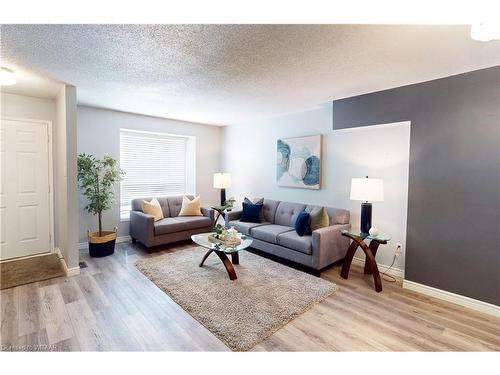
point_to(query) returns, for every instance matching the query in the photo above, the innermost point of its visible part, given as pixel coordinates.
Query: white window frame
(190, 171)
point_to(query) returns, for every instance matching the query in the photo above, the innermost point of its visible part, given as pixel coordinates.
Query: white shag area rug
(265, 296)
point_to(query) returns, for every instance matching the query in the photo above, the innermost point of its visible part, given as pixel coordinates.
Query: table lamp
(222, 181)
(367, 190)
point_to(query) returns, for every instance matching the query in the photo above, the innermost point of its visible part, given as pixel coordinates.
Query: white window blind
(155, 165)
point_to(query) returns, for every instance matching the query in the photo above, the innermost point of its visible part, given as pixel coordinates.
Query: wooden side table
(358, 240)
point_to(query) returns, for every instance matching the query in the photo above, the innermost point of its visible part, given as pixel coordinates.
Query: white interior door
(24, 192)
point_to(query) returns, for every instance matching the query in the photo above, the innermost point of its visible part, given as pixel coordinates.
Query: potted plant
(96, 180)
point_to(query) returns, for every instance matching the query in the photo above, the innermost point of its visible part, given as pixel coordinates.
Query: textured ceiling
(223, 74)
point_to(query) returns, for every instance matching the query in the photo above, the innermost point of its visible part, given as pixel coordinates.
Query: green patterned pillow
(319, 218)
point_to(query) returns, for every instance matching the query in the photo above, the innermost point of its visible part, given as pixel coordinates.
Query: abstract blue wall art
(298, 162)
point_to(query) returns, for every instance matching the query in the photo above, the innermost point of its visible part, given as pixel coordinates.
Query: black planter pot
(101, 246)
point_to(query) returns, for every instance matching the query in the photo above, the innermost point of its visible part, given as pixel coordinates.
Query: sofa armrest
(208, 212)
(141, 227)
(232, 215)
(329, 246)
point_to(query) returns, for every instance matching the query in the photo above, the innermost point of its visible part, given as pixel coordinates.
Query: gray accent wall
(453, 233)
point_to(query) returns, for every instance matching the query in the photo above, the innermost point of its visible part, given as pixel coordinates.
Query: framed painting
(298, 162)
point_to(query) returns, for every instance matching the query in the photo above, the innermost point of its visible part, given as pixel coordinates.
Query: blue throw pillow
(251, 213)
(303, 224)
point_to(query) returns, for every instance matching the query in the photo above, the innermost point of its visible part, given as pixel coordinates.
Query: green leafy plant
(219, 231)
(96, 180)
(229, 203)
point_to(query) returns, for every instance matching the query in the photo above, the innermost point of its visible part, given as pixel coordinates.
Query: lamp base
(366, 217)
(222, 196)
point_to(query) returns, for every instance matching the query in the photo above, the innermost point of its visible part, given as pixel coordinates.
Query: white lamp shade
(222, 180)
(367, 189)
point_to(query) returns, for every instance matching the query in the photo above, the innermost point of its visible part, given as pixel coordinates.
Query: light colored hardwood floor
(112, 306)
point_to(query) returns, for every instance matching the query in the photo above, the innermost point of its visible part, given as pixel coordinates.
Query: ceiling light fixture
(485, 32)
(7, 77)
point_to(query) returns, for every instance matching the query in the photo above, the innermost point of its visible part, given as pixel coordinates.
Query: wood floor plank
(359, 322)
(90, 336)
(57, 322)
(9, 319)
(68, 345)
(118, 332)
(92, 292)
(145, 333)
(70, 290)
(29, 312)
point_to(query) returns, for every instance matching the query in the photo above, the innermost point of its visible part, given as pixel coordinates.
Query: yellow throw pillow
(153, 208)
(190, 208)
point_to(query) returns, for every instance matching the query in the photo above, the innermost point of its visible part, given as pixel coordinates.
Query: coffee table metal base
(225, 260)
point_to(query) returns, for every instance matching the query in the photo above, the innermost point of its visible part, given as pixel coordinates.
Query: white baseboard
(471, 303)
(73, 271)
(84, 245)
(396, 272)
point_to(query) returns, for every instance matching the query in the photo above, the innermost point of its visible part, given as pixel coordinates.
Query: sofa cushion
(193, 222)
(295, 242)
(244, 227)
(251, 213)
(287, 213)
(270, 232)
(269, 209)
(179, 224)
(166, 226)
(175, 204)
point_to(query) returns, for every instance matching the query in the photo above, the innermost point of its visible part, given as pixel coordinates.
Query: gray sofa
(172, 227)
(277, 236)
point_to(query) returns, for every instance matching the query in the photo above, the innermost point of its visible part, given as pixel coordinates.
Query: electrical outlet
(399, 249)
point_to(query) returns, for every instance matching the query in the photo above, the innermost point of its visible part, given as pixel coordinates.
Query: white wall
(249, 154)
(28, 107)
(379, 151)
(66, 204)
(99, 133)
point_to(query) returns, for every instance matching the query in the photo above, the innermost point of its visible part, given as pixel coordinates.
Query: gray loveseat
(172, 227)
(276, 234)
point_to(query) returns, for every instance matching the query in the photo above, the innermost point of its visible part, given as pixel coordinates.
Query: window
(155, 164)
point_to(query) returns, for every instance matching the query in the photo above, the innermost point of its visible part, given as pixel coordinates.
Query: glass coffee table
(222, 251)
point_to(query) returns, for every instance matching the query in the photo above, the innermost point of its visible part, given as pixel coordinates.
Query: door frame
(52, 248)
